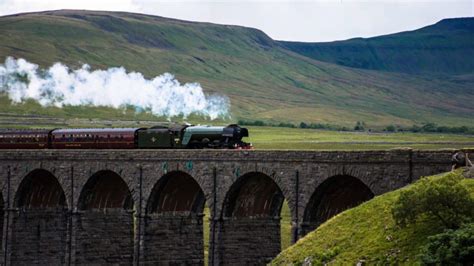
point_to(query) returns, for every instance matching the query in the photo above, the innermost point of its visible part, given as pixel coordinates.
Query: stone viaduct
(146, 206)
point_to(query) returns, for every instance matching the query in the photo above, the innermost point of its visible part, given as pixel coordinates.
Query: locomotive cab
(160, 137)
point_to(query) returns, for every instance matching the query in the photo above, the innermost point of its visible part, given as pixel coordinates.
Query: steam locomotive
(158, 137)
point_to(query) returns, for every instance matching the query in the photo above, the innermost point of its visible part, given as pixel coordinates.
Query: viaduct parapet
(146, 206)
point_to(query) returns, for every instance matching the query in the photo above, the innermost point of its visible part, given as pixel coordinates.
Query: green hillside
(262, 79)
(366, 233)
(446, 47)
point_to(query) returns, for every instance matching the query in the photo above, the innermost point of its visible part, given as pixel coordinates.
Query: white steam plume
(114, 87)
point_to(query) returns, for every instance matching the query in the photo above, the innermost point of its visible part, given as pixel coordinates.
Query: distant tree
(303, 125)
(415, 128)
(443, 199)
(283, 124)
(390, 128)
(360, 126)
(443, 129)
(452, 247)
(429, 127)
(463, 129)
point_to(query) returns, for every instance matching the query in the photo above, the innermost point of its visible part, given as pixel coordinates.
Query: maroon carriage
(94, 138)
(24, 139)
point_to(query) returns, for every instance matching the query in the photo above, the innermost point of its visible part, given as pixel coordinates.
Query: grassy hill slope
(443, 48)
(263, 80)
(365, 233)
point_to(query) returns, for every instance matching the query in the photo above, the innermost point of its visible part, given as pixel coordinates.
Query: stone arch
(332, 196)
(105, 225)
(251, 220)
(40, 189)
(39, 228)
(105, 190)
(176, 191)
(174, 225)
(253, 195)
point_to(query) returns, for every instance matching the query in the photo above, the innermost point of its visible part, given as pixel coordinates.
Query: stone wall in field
(145, 206)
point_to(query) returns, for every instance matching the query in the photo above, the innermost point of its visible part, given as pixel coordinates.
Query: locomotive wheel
(195, 145)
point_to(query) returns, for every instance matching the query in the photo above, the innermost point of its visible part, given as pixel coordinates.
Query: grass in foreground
(365, 233)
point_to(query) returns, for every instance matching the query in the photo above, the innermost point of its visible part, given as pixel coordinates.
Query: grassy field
(312, 139)
(350, 236)
(263, 79)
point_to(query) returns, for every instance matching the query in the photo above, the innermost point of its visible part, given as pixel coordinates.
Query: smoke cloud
(115, 87)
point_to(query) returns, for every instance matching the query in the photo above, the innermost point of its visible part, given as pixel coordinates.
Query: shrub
(360, 126)
(415, 128)
(252, 123)
(303, 125)
(390, 128)
(453, 247)
(444, 199)
(283, 124)
(429, 127)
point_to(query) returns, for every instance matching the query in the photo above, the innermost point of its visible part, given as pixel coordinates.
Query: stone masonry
(136, 207)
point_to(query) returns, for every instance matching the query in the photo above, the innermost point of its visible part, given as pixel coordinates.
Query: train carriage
(94, 138)
(24, 139)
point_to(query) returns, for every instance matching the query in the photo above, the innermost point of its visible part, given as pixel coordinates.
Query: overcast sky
(308, 20)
